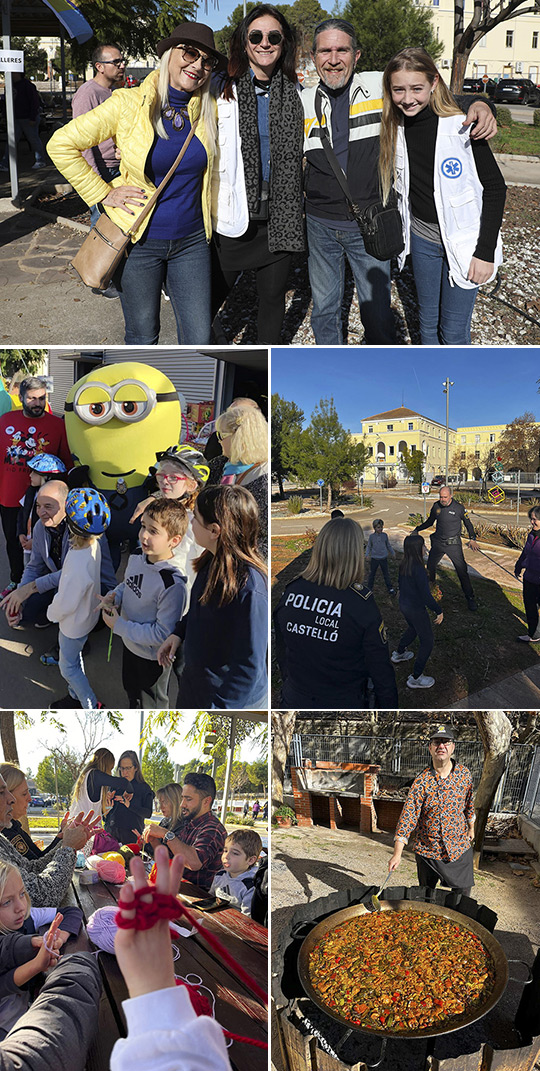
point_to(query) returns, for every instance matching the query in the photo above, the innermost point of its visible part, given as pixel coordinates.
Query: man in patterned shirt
(440, 807)
(201, 838)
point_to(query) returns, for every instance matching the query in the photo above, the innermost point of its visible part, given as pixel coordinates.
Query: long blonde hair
(440, 100)
(6, 870)
(337, 559)
(12, 775)
(249, 434)
(102, 760)
(173, 794)
(208, 103)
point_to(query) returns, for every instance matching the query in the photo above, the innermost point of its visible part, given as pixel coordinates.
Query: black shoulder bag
(380, 225)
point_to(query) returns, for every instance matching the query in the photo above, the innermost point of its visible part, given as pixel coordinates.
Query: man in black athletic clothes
(447, 515)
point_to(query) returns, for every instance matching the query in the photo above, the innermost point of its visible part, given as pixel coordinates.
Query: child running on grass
(414, 597)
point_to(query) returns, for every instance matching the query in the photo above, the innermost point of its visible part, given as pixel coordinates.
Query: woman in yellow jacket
(149, 125)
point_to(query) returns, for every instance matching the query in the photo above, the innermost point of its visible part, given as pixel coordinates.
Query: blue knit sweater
(178, 211)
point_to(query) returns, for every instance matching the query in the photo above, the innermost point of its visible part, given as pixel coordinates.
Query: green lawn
(472, 650)
(520, 139)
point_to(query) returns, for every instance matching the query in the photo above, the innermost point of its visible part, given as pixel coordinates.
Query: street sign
(11, 59)
(485, 79)
(496, 494)
(320, 483)
(425, 488)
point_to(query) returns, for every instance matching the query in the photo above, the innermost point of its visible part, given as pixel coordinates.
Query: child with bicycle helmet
(76, 604)
(180, 473)
(43, 467)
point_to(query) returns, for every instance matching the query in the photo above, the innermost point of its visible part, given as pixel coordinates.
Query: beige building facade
(510, 50)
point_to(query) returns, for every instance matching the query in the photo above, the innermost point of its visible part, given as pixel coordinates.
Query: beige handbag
(107, 244)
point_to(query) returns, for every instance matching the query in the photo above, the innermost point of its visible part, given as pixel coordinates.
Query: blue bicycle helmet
(46, 464)
(87, 512)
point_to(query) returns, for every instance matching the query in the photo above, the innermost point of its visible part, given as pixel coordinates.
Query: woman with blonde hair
(170, 801)
(330, 636)
(243, 434)
(149, 125)
(21, 840)
(450, 192)
(95, 783)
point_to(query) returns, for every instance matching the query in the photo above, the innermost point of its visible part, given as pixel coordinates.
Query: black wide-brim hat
(193, 33)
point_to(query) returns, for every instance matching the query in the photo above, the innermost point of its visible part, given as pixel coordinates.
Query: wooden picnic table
(236, 1007)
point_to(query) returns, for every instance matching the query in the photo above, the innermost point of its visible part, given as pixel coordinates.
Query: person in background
(378, 549)
(440, 806)
(414, 597)
(200, 838)
(448, 515)
(95, 784)
(128, 812)
(17, 784)
(169, 798)
(529, 560)
(257, 180)
(243, 434)
(27, 114)
(43, 467)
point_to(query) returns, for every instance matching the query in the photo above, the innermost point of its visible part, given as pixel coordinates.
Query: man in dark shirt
(201, 839)
(447, 516)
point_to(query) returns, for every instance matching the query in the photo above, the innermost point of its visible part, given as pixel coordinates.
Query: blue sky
(491, 386)
(217, 18)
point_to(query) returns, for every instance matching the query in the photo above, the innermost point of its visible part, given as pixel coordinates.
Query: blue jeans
(328, 248)
(30, 129)
(184, 265)
(71, 667)
(445, 311)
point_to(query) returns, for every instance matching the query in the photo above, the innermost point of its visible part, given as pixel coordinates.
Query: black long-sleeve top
(414, 590)
(121, 820)
(420, 136)
(447, 521)
(22, 841)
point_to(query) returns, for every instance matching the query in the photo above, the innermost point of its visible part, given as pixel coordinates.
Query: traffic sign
(496, 494)
(425, 489)
(485, 79)
(320, 483)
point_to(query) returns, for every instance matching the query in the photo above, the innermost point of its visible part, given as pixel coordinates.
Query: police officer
(447, 516)
(330, 636)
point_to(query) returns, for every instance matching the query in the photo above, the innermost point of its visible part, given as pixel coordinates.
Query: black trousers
(271, 283)
(531, 601)
(145, 681)
(56, 1032)
(9, 515)
(455, 552)
(419, 624)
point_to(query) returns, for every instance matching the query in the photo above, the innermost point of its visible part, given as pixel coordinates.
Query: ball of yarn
(102, 928)
(199, 1002)
(92, 861)
(81, 860)
(115, 857)
(109, 870)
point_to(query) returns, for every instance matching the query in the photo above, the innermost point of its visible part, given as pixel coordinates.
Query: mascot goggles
(102, 409)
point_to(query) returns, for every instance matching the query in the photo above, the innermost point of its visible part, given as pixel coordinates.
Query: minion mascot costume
(117, 417)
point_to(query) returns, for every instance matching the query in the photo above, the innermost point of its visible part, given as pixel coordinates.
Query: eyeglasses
(115, 62)
(161, 477)
(208, 63)
(273, 38)
(124, 769)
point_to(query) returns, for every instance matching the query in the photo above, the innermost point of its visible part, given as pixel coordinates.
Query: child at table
(236, 882)
(24, 954)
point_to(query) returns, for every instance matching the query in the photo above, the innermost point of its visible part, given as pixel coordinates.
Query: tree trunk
(496, 732)
(283, 722)
(7, 735)
(280, 485)
(329, 495)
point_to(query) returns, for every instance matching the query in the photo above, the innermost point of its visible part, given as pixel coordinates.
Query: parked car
(516, 91)
(438, 481)
(476, 85)
(37, 801)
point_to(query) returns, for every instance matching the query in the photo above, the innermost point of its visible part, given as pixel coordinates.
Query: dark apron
(458, 875)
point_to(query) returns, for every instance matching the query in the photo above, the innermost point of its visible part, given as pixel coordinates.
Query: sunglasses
(116, 62)
(273, 38)
(208, 63)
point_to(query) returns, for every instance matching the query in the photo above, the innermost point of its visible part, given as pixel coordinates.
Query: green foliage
(287, 418)
(519, 444)
(157, 768)
(414, 520)
(310, 536)
(414, 463)
(249, 777)
(326, 450)
(35, 58)
(304, 15)
(504, 116)
(45, 779)
(466, 497)
(384, 27)
(295, 504)
(135, 25)
(357, 499)
(235, 820)
(536, 116)
(27, 361)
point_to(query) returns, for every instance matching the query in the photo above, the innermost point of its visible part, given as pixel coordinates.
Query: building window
(463, 455)
(463, 440)
(410, 427)
(389, 427)
(534, 39)
(477, 438)
(391, 451)
(477, 453)
(370, 429)
(413, 449)
(492, 437)
(509, 38)
(370, 451)
(491, 455)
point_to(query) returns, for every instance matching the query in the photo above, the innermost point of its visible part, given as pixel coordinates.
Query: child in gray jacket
(378, 549)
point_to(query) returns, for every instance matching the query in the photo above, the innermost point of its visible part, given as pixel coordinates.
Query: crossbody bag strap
(331, 156)
(149, 206)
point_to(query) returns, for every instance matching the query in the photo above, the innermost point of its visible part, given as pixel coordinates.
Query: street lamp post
(446, 390)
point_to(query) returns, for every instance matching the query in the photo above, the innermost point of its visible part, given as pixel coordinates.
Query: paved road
(521, 113)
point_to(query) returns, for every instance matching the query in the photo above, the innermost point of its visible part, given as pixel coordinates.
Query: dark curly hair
(238, 61)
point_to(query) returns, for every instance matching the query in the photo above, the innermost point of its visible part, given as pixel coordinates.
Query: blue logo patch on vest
(451, 167)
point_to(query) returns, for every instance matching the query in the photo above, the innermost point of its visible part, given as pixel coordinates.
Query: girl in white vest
(450, 192)
(95, 785)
